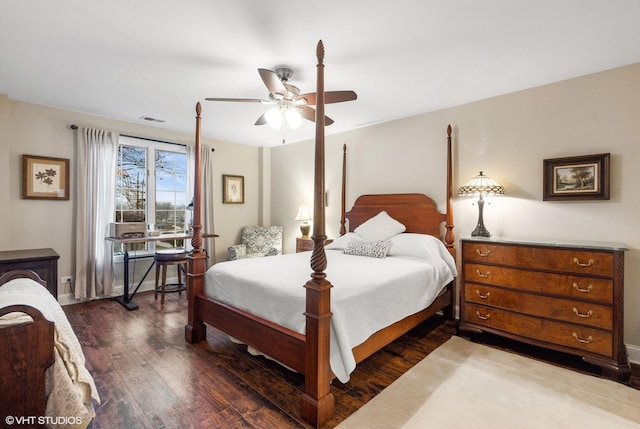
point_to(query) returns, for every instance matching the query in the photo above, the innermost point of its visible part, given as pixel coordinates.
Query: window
(151, 187)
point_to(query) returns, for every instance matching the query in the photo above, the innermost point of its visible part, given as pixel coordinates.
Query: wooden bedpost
(317, 402)
(343, 221)
(195, 330)
(449, 238)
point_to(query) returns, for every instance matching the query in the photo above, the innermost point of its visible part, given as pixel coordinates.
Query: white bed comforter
(368, 293)
(69, 386)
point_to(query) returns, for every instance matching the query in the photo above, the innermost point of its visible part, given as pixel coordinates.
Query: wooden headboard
(417, 212)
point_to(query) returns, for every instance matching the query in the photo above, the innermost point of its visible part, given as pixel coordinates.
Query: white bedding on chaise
(70, 388)
(368, 293)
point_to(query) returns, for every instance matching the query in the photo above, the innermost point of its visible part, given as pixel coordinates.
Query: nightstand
(42, 261)
(305, 244)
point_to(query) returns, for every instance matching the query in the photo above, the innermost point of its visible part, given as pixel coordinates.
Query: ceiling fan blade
(310, 114)
(242, 100)
(262, 120)
(330, 97)
(272, 82)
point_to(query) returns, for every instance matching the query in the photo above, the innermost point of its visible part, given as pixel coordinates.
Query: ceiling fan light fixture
(274, 118)
(289, 106)
(293, 117)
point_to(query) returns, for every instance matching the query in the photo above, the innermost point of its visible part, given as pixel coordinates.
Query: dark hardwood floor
(149, 377)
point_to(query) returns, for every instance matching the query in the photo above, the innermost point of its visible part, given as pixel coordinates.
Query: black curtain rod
(152, 140)
(75, 127)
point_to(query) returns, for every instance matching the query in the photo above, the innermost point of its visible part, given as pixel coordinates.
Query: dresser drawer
(563, 334)
(489, 253)
(570, 260)
(578, 287)
(566, 310)
(577, 261)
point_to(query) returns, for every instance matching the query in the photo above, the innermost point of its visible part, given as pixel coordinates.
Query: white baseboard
(147, 285)
(634, 354)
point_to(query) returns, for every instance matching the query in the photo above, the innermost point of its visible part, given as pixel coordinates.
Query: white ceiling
(124, 59)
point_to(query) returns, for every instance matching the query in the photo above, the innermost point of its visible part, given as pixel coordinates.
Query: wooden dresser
(42, 261)
(563, 296)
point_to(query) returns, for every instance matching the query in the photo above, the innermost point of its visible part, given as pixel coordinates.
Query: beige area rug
(466, 385)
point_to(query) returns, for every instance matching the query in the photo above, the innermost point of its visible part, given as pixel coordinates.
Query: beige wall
(27, 128)
(507, 137)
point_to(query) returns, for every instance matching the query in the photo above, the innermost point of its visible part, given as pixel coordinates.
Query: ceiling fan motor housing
(284, 73)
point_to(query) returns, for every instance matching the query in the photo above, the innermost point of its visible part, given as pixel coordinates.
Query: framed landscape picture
(232, 189)
(45, 178)
(576, 178)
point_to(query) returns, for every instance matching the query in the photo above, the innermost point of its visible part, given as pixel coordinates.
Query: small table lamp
(480, 185)
(304, 214)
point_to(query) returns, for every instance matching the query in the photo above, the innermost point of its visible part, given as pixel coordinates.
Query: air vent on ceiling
(150, 119)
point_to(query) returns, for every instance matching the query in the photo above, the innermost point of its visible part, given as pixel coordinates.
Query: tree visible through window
(151, 186)
(131, 184)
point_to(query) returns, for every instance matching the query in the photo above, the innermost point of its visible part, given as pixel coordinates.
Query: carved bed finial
(320, 51)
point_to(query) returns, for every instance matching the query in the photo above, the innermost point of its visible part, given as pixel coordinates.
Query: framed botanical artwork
(45, 178)
(576, 178)
(232, 189)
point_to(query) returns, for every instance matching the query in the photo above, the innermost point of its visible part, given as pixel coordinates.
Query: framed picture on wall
(45, 178)
(232, 189)
(576, 178)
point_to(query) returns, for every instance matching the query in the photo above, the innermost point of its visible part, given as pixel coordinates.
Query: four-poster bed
(310, 352)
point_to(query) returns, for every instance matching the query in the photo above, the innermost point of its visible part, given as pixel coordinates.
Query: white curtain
(95, 209)
(206, 214)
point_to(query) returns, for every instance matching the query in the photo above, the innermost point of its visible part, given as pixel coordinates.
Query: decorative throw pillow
(380, 227)
(373, 249)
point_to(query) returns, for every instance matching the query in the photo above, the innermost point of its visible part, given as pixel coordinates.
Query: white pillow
(380, 227)
(373, 249)
(420, 246)
(341, 243)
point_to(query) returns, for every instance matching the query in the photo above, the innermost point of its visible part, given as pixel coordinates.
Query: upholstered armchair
(257, 241)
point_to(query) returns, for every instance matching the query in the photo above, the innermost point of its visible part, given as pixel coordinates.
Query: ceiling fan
(288, 104)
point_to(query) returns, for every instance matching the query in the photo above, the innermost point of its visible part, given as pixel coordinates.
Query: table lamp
(480, 185)
(304, 215)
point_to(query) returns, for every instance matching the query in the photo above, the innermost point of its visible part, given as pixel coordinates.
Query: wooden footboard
(26, 352)
(278, 342)
(287, 346)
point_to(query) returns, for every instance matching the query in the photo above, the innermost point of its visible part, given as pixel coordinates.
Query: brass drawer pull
(485, 254)
(580, 340)
(587, 314)
(483, 275)
(483, 296)
(589, 263)
(579, 289)
(481, 316)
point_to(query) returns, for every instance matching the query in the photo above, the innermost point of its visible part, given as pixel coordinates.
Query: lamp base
(480, 230)
(304, 229)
